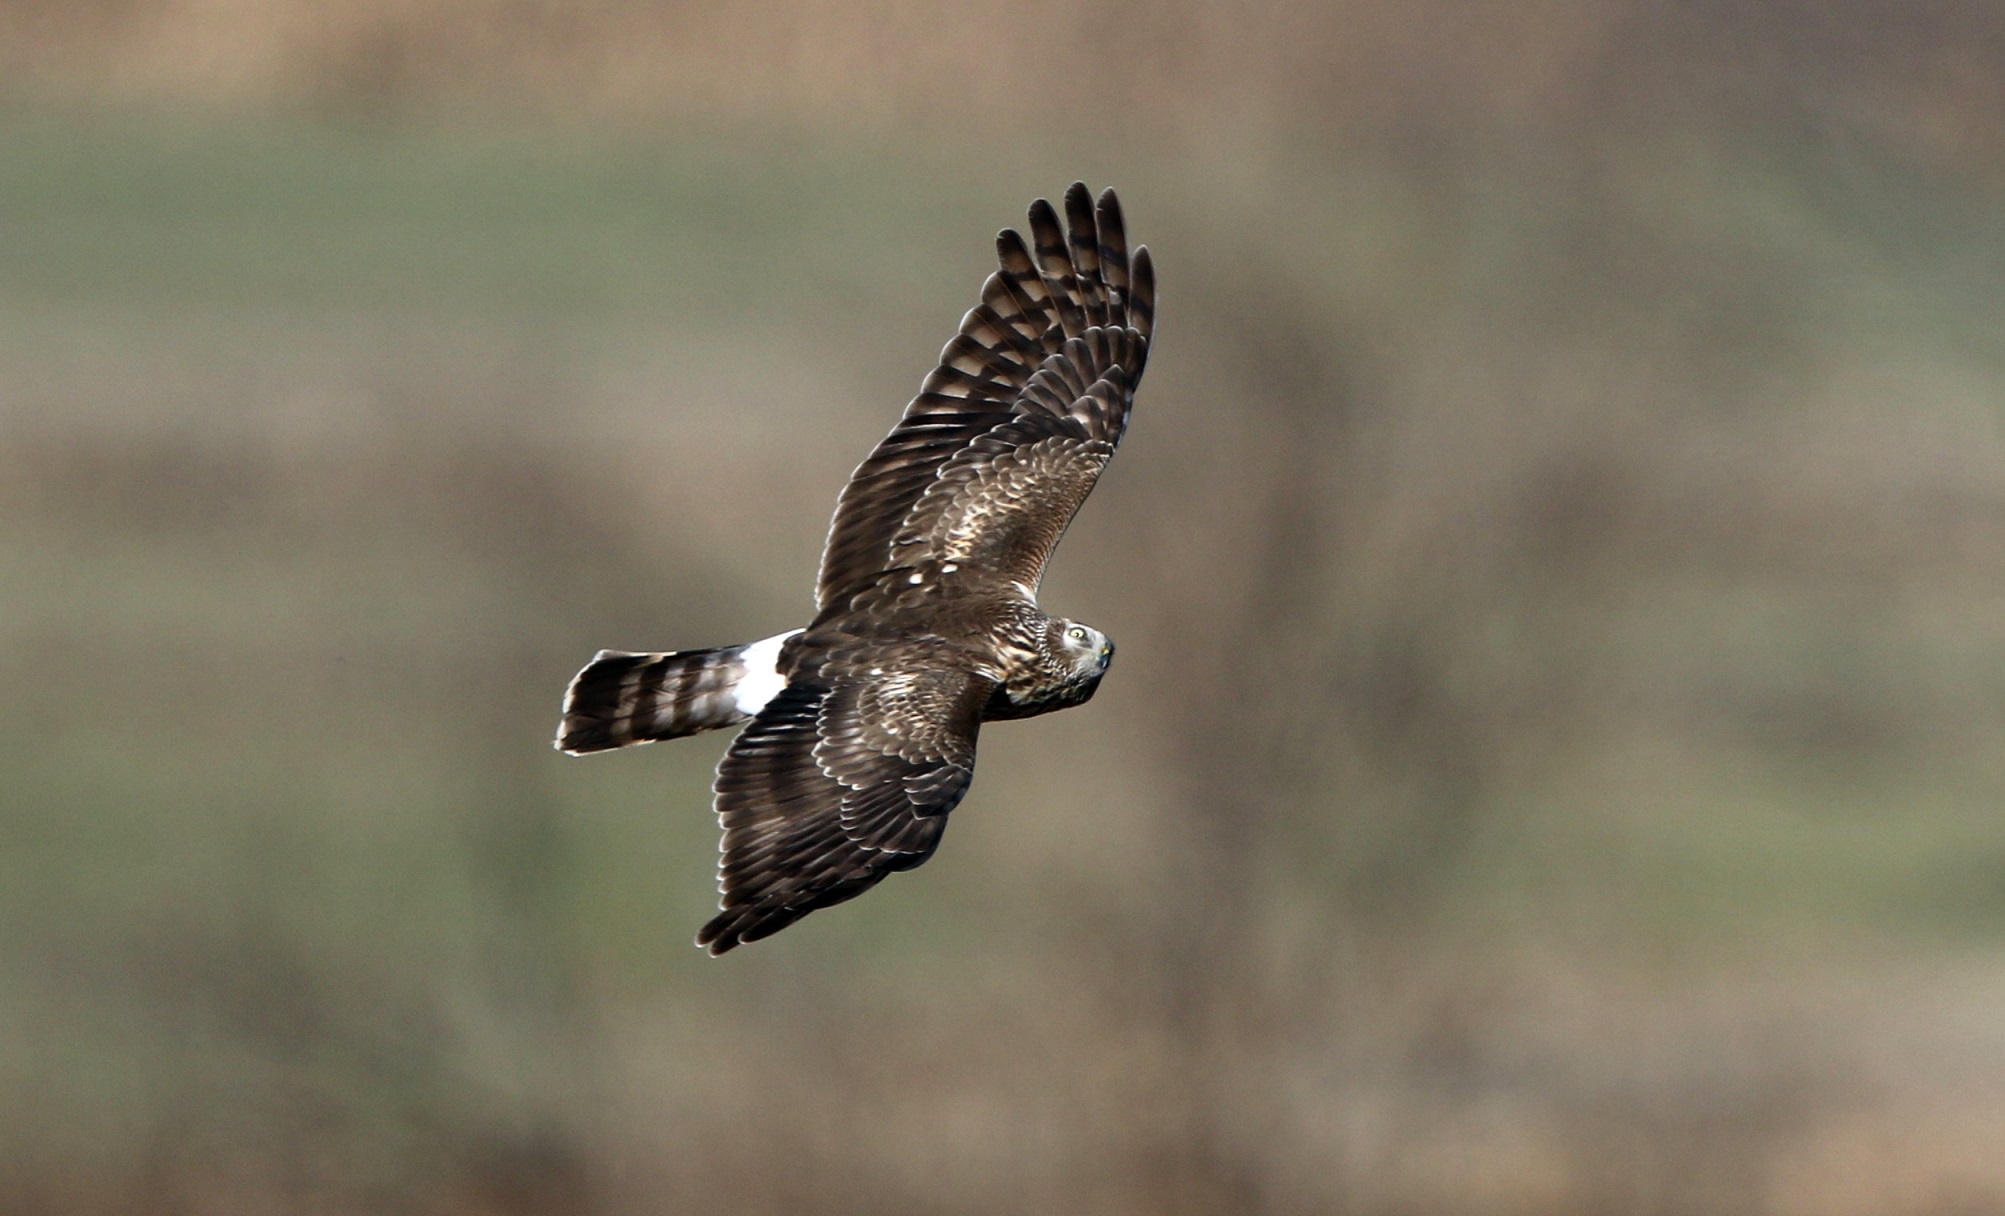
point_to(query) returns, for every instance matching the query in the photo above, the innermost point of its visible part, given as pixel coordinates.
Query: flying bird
(863, 724)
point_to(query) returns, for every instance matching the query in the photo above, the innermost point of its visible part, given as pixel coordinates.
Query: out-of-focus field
(1556, 758)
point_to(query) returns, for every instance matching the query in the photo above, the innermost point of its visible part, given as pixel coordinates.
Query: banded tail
(621, 698)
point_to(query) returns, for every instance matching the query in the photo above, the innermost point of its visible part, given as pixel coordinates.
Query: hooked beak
(1106, 655)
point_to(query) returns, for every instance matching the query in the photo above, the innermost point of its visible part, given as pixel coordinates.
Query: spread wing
(1009, 433)
(843, 778)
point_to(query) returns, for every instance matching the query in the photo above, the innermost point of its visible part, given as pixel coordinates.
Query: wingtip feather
(1113, 249)
(1142, 304)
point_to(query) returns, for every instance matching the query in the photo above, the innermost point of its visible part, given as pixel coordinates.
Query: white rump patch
(763, 680)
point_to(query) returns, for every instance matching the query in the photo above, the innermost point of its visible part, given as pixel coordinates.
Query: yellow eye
(1076, 634)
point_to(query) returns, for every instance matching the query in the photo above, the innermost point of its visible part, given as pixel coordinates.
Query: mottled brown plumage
(863, 725)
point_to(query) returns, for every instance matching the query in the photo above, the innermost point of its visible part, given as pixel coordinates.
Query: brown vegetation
(1554, 756)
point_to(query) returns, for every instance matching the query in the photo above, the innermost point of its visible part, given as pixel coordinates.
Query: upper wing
(838, 782)
(1049, 361)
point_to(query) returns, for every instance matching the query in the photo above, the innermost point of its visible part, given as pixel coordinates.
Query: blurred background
(1555, 759)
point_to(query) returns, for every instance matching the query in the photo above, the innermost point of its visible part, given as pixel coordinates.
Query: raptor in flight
(862, 725)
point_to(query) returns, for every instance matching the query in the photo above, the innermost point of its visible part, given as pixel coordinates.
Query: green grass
(328, 453)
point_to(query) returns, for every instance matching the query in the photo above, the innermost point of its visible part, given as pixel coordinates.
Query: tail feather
(623, 698)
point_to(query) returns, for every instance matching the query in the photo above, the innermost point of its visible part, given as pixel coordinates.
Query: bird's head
(1063, 669)
(1085, 649)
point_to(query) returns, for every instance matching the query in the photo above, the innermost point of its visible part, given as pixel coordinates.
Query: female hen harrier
(863, 725)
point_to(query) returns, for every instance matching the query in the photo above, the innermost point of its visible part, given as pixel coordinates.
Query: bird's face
(1086, 649)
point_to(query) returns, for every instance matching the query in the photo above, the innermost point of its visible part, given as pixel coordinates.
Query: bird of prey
(862, 725)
